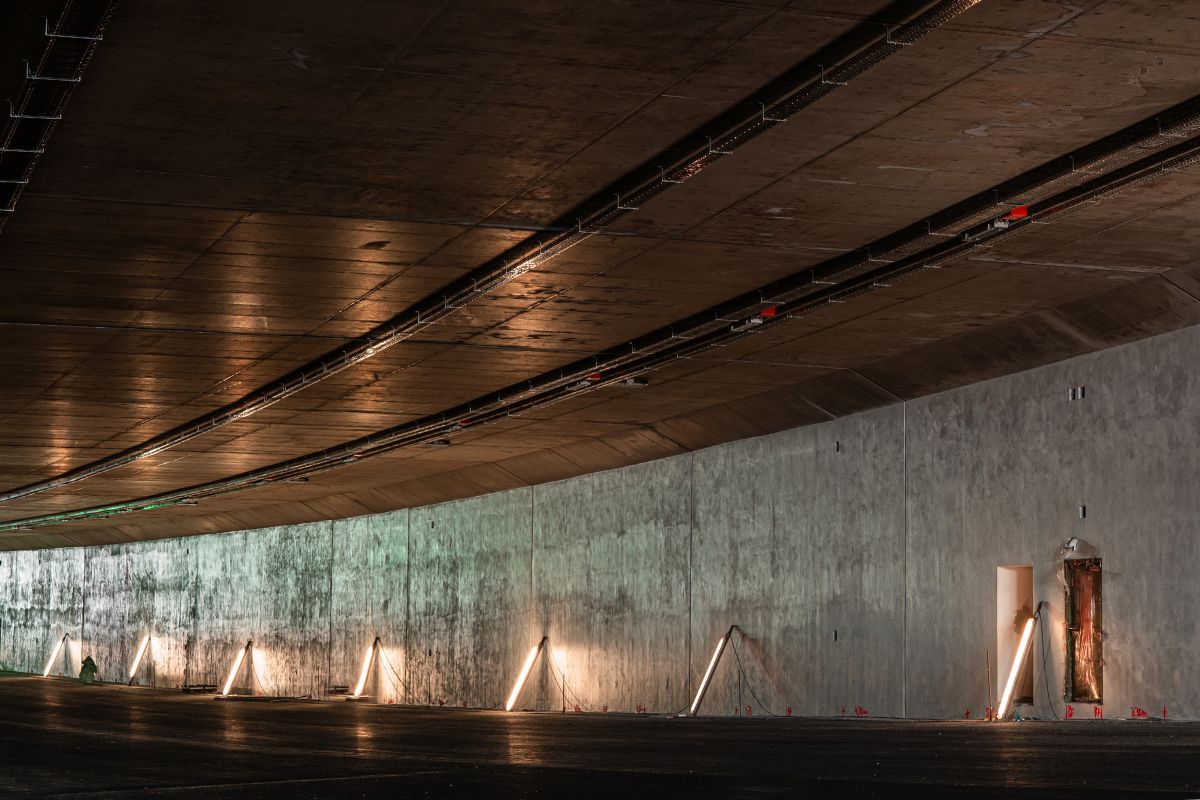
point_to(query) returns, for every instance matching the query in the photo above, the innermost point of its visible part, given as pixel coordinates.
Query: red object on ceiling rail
(1020, 212)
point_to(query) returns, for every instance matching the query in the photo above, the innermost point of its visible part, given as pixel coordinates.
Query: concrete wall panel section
(799, 542)
(1139, 449)
(108, 636)
(291, 642)
(24, 612)
(169, 567)
(229, 591)
(61, 572)
(998, 472)
(611, 584)
(370, 597)
(858, 557)
(983, 497)
(270, 587)
(469, 604)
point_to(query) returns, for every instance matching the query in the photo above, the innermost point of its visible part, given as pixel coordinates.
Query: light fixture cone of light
(1014, 673)
(708, 673)
(525, 668)
(54, 655)
(137, 659)
(237, 665)
(368, 660)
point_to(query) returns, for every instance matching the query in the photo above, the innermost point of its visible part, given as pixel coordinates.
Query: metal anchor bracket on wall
(828, 82)
(765, 118)
(890, 40)
(929, 231)
(717, 150)
(56, 35)
(30, 76)
(14, 114)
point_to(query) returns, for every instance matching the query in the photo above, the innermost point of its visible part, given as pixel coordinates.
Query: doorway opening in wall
(1084, 612)
(1014, 607)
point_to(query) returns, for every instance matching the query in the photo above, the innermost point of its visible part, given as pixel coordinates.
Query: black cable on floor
(1045, 673)
(742, 674)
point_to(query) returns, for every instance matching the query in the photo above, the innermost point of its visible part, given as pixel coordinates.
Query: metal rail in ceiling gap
(71, 40)
(777, 106)
(762, 309)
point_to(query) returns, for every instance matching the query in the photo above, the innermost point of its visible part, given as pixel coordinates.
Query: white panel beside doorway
(1014, 605)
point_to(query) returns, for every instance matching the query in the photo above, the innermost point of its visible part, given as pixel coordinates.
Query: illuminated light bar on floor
(1018, 662)
(524, 676)
(137, 659)
(708, 673)
(237, 665)
(368, 660)
(54, 655)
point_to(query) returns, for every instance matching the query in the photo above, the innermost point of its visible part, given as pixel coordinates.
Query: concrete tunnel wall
(886, 527)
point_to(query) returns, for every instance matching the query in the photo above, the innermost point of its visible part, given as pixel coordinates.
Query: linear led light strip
(743, 316)
(708, 673)
(137, 659)
(534, 652)
(1016, 669)
(1018, 664)
(471, 288)
(54, 655)
(237, 666)
(368, 660)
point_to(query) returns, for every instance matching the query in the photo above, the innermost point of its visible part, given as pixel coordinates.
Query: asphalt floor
(60, 738)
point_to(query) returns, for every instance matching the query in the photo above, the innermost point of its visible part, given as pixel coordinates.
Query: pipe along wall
(886, 527)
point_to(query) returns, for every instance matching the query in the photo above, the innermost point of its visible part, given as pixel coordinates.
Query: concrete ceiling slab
(238, 189)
